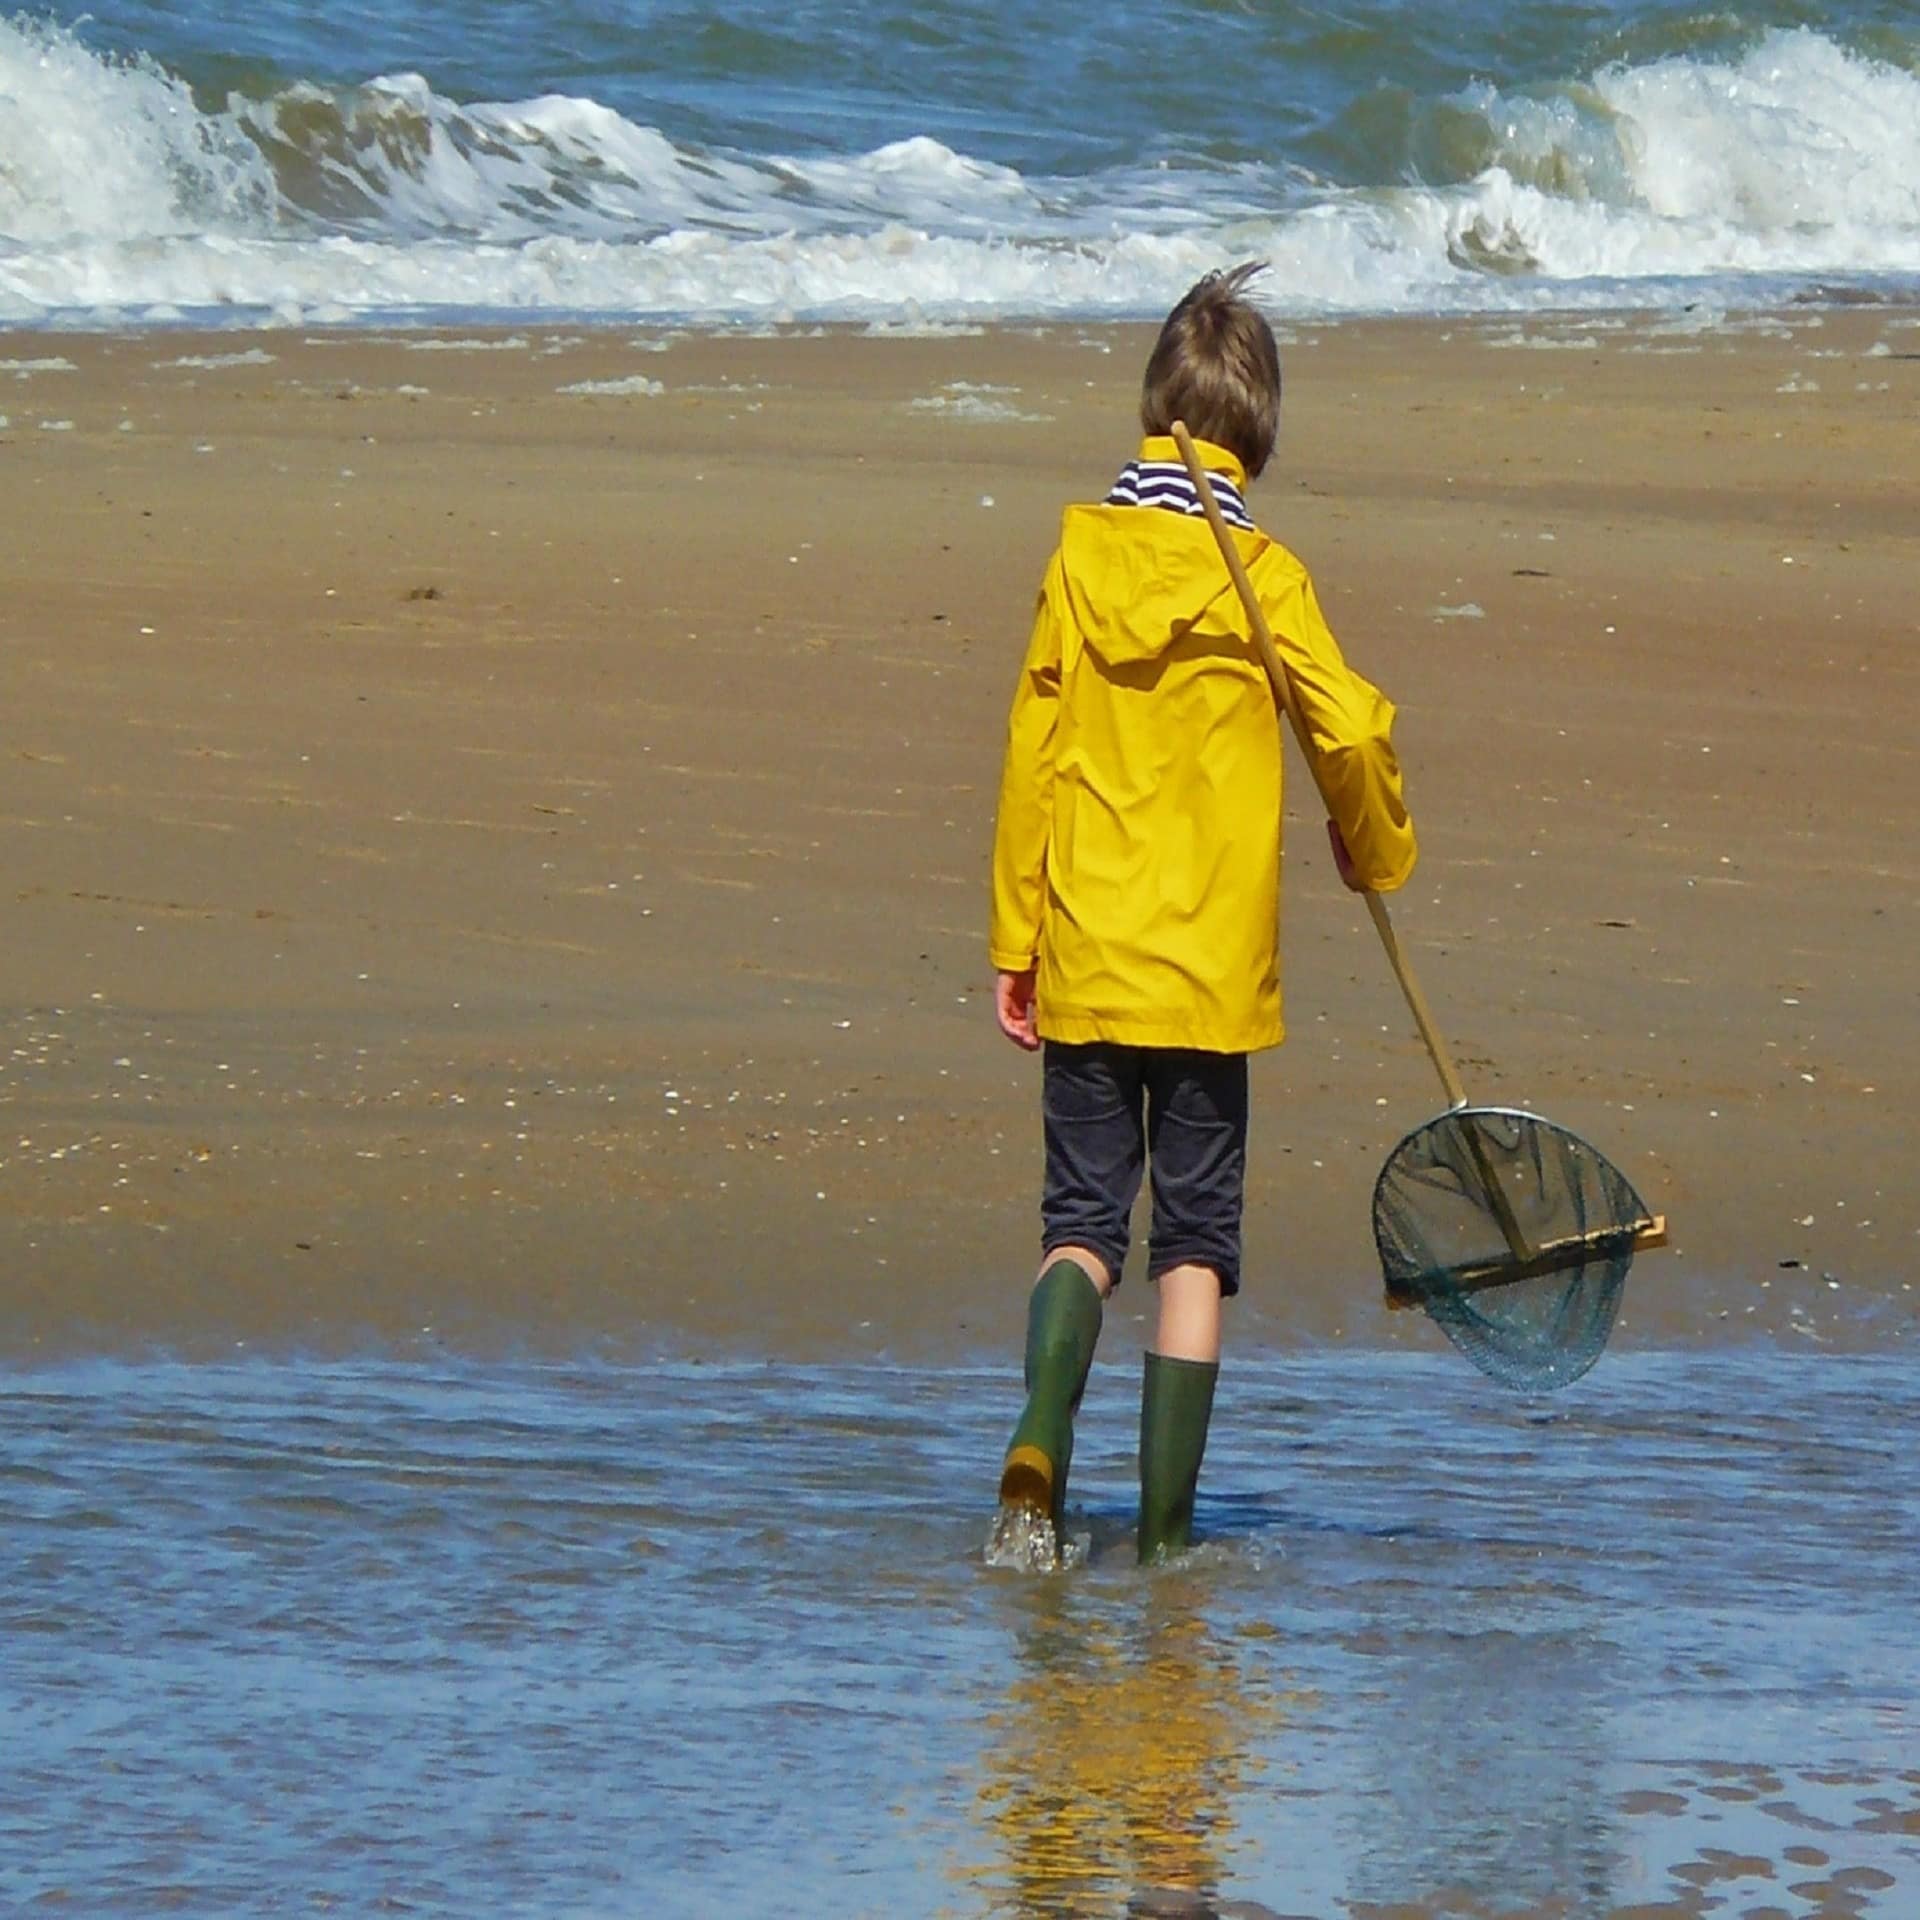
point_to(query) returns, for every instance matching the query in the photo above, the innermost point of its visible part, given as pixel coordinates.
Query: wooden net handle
(1290, 705)
(1555, 1257)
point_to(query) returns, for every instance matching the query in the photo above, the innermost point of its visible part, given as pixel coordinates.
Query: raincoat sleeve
(1350, 723)
(1026, 791)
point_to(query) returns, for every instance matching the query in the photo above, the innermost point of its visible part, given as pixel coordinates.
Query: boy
(1136, 888)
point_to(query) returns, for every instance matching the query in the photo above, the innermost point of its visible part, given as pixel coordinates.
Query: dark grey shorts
(1112, 1111)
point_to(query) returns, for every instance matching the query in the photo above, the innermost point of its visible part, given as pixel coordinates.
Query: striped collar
(1167, 483)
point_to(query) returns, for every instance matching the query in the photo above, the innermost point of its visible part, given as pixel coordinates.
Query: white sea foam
(981, 403)
(633, 383)
(252, 357)
(469, 343)
(122, 202)
(1547, 342)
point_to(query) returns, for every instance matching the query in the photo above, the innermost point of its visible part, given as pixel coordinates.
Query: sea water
(615, 1636)
(717, 163)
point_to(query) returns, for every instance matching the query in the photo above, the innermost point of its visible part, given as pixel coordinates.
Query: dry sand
(511, 859)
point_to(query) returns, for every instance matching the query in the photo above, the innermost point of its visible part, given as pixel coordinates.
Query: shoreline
(1704, 317)
(513, 860)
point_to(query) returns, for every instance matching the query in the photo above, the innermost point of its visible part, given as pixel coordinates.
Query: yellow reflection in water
(1128, 1733)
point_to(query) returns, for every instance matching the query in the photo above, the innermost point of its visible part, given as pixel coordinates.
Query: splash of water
(1022, 1539)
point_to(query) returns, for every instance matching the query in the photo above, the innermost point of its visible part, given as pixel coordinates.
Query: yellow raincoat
(1137, 854)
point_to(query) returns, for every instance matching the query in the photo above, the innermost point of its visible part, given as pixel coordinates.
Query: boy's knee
(1202, 1279)
(1092, 1263)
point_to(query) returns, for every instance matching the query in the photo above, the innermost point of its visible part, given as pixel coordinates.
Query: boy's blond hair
(1216, 367)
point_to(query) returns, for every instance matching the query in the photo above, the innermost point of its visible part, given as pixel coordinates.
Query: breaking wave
(124, 196)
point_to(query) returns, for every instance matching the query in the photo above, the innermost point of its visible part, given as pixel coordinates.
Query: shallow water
(425, 1633)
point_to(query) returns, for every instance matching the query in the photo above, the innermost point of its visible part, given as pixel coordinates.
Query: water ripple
(586, 1638)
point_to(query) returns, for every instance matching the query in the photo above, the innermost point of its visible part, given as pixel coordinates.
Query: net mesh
(1515, 1236)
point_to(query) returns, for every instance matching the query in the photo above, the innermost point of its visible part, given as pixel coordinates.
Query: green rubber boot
(1063, 1324)
(1176, 1403)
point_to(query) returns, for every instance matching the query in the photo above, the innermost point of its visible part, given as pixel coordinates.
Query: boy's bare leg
(1189, 1314)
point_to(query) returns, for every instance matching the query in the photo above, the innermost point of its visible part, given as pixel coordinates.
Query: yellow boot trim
(1027, 1480)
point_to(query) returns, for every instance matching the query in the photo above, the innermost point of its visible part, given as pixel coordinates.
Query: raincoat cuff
(1401, 874)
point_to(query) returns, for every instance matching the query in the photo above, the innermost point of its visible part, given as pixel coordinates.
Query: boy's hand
(1013, 1003)
(1344, 860)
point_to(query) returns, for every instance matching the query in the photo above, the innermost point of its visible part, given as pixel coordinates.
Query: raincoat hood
(1138, 580)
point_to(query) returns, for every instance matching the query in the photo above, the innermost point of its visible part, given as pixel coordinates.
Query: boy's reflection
(1128, 1735)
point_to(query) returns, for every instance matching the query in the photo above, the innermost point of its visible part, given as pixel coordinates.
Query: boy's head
(1216, 367)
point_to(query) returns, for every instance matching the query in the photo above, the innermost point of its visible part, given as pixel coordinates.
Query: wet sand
(490, 854)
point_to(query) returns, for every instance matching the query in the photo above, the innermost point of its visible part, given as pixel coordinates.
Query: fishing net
(1514, 1235)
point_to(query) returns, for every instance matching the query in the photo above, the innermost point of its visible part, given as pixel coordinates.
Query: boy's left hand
(1013, 1004)
(1343, 860)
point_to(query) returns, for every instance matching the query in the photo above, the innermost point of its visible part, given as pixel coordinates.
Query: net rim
(1471, 1108)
